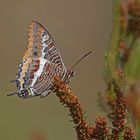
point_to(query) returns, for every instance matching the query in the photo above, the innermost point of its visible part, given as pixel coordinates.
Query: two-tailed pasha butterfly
(40, 64)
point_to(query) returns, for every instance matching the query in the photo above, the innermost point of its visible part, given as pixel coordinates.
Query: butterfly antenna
(85, 55)
(12, 94)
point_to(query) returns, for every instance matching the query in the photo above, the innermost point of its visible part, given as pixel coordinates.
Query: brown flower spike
(101, 130)
(76, 112)
(129, 134)
(118, 114)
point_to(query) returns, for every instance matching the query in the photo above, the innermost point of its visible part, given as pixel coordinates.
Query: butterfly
(40, 64)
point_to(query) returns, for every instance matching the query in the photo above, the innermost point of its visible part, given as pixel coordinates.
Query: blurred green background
(78, 26)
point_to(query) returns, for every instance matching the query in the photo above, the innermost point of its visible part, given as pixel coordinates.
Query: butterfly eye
(72, 73)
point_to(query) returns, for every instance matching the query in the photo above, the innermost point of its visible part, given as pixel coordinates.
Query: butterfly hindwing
(44, 81)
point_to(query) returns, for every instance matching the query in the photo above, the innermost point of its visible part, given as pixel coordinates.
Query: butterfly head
(70, 73)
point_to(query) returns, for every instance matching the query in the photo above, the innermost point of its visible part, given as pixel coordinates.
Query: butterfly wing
(45, 81)
(41, 61)
(42, 44)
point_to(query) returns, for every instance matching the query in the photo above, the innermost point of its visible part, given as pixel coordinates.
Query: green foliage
(111, 55)
(132, 68)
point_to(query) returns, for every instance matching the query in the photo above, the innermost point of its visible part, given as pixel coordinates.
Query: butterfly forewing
(43, 44)
(41, 62)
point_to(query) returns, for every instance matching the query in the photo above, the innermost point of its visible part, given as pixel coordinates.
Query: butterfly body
(40, 64)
